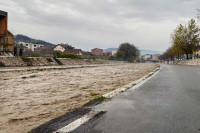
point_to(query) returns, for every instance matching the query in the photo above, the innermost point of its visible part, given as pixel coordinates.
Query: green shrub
(92, 94)
(58, 54)
(100, 98)
(66, 55)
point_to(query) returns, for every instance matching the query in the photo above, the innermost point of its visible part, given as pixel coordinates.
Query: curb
(130, 85)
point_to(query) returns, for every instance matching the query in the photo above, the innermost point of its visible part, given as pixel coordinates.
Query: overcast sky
(87, 24)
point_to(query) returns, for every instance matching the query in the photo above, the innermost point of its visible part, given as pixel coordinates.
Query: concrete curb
(130, 85)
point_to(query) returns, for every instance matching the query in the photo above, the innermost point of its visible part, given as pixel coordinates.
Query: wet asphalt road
(167, 103)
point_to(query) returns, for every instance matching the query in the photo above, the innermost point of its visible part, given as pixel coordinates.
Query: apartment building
(97, 52)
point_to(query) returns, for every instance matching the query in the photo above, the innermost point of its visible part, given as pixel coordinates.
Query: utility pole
(198, 15)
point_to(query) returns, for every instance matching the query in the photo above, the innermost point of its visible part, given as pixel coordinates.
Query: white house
(66, 48)
(31, 45)
(147, 57)
(114, 53)
(59, 48)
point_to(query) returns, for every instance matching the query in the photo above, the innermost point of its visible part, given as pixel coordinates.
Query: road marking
(72, 126)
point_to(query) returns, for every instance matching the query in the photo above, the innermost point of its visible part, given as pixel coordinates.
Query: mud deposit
(29, 99)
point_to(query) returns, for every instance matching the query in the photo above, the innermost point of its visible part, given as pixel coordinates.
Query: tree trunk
(187, 56)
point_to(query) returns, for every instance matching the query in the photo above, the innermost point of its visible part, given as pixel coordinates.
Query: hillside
(143, 52)
(23, 38)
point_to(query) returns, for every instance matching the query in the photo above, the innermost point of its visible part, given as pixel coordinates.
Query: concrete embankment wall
(192, 62)
(12, 62)
(22, 62)
(73, 61)
(83, 61)
(40, 61)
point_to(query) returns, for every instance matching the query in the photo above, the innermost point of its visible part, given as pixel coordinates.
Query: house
(147, 57)
(31, 46)
(6, 37)
(59, 47)
(109, 53)
(87, 53)
(66, 48)
(114, 53)
(198, 52)
(97, 52)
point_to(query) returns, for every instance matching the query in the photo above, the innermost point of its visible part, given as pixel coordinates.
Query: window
(26, 44)
(34, 45)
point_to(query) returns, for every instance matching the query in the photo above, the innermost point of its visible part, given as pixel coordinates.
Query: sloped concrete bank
(12, 62)
(49, 61)
(23, 62)
(73, 61)
(40, 61)
(192, 62)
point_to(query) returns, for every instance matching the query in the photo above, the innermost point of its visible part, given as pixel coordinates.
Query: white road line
(72, 126)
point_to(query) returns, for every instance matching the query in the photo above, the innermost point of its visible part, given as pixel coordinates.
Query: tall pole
(198, 15)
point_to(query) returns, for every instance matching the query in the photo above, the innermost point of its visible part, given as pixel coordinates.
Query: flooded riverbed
(30, 98)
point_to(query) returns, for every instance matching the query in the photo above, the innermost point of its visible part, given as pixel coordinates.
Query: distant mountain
(142, 52)
(23, 38)
(110, 49)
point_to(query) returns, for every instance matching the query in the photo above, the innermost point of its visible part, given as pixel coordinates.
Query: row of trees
(185, 41)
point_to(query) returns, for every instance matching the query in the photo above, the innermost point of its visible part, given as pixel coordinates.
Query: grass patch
(100, 98)
(92, 94)
(128, 87)
(150, 75)
(66, 55)
(134, 84)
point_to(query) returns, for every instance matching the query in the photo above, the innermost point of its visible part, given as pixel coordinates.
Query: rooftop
(2, 13)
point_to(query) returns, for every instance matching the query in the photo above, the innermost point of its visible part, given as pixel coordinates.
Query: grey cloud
(100, 23)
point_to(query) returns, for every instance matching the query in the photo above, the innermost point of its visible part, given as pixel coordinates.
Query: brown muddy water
(31, 98)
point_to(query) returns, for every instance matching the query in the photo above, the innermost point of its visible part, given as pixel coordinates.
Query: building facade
(114, 53)
(66, 48)
(147, 57)
(6, 37)
(31, 46)
(97, 52)
(59, 48)
(155, 57)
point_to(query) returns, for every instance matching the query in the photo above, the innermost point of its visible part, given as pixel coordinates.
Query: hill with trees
(23, 38)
